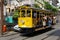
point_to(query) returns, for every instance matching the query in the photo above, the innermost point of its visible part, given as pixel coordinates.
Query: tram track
(39, 33)
(27, 37)
(52, 35)
(45, 37)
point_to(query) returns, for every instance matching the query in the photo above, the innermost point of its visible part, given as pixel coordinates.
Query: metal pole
(1, 17)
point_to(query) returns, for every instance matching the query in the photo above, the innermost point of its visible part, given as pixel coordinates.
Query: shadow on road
(37, 33)
(32, 34)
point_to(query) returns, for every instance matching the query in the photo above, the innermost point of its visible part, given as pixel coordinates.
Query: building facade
(54, 2)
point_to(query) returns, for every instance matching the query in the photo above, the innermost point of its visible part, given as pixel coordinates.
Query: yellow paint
(25, 22)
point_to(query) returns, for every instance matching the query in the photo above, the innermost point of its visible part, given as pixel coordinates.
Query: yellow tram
(34, 19)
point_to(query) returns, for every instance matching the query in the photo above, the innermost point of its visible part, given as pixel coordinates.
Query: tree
(16, 14)
(36, 6)
(50, 7)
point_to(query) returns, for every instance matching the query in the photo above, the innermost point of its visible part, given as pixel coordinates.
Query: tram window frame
(41, 14)
(23, 14)
(34, 14)
(28, 13)
(37, 14)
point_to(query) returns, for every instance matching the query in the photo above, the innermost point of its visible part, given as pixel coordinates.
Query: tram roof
(37, 9)
(40, 9)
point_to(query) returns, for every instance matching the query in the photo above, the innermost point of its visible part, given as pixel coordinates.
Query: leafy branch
(50, 7)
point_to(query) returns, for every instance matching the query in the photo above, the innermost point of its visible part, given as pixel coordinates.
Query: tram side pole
(1, 17)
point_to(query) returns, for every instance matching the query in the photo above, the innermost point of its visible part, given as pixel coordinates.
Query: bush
(36, 6)
(16, 14)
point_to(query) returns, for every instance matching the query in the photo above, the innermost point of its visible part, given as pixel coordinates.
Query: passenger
(49, 23)
(44, 23)
(45, 17)
(54, 20)
(41, 23)
(9, 22)
(44, 20)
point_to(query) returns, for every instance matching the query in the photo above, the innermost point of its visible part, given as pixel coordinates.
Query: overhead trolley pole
(1, 17)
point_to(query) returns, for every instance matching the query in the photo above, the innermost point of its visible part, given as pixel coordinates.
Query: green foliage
(59, 7)
(16, 14)
(50, 7)
(35, 0)
(36, 6)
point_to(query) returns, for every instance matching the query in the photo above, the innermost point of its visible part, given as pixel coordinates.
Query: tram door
(34, 16)
(39, 19)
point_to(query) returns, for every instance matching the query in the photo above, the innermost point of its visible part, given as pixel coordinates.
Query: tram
(34, 19)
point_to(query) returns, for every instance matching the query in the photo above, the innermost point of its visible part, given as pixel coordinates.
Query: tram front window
(28, 13)
(23, 13)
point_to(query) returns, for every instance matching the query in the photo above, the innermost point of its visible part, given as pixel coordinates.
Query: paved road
(48, 34)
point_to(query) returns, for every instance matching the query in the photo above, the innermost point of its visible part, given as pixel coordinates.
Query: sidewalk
(9, 33)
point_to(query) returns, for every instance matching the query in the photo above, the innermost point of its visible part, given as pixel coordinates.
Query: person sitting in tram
(49, 21)
(44, 20)
(54, 20)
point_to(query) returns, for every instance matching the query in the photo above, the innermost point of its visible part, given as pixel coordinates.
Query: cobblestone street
(48, 34)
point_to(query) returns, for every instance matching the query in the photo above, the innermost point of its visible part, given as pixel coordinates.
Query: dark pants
(9, 26)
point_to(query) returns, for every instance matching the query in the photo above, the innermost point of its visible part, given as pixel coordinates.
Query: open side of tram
(32, 19)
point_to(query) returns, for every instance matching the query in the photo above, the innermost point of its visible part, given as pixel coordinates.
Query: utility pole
(1, 17)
